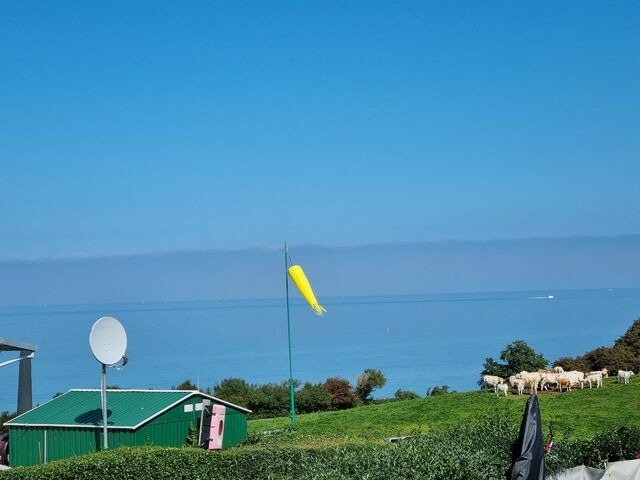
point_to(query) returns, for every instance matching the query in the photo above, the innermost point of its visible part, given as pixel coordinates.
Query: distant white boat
(548, 297)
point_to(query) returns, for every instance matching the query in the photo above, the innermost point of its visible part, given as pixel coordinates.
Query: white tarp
(627, 470)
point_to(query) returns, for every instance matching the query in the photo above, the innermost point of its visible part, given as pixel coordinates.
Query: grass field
(576, 414)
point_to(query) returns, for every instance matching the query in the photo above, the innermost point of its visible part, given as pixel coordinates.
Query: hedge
(477, 451)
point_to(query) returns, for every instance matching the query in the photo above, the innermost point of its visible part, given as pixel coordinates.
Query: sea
(417, 341)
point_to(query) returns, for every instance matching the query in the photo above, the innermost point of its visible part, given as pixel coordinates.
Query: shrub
(312, 398)
(342, 395)
(270, 400)
(405, 395)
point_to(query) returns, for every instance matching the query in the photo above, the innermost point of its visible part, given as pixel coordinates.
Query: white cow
(625, 376)
(492, 381)
(549, 379)
(577, 378)
(558, 369)
(531, 379)
(604, 372)
(502, 388)
(594, 377)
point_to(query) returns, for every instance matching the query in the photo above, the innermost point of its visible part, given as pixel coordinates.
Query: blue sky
(142, 127)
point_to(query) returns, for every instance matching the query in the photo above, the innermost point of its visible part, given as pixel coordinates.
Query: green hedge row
(476, 451)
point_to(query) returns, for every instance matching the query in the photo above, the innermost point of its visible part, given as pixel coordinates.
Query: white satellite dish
(108, 340)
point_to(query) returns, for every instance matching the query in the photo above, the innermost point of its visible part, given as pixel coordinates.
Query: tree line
(272, 399)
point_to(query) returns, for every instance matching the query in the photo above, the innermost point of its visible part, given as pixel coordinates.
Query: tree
(270, 400)
(624, 355)
(234, 390)
(342, 395)
(516, 357)
(569, 363)
(313, 397)
(367, 382)
(186, 385)
(631, 338)
(619, 357)
(5, 416)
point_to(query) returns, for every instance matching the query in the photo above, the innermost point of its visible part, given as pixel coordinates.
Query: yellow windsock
(300, 279)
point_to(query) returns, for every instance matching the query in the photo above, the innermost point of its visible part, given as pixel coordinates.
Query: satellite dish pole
(108, 341)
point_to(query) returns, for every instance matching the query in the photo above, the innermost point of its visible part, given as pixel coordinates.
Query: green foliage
(623, 355)
(186, 385)
(312, 397)
(342, 395)
(631, 338)
(192, 436)
(610, 445)
(438, 390)
(471, 451)
(493, 367)
(368, 381)
(516, 357)
(270, 400)
(5, 417)
(405, 395)
(578, 414)
(475, 450)
(570, 363)
(234, 390)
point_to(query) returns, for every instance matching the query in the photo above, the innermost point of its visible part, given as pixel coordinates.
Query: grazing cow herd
(548, 380)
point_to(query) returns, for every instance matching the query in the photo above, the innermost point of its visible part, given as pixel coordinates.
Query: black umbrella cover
(528, 456)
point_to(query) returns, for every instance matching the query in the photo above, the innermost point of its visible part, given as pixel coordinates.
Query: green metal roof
(126, 408)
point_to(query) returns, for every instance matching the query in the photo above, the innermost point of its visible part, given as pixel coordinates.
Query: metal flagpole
(292, 399)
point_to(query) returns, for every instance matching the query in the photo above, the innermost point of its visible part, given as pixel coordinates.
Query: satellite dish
(108, 340)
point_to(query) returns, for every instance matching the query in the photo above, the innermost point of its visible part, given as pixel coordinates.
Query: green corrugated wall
(27, 444)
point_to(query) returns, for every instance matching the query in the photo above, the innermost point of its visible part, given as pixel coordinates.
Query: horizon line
(271, 248)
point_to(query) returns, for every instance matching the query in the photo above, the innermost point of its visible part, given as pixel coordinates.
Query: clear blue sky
(171, 126)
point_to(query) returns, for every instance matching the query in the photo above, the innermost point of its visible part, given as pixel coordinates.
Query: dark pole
(25, 402)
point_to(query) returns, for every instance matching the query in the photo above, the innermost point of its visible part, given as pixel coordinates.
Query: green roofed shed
(71, 424)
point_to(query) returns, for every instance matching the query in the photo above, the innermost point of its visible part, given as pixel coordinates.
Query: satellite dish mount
(108, 341)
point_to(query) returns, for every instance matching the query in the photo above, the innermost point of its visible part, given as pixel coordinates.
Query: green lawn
(580, 413)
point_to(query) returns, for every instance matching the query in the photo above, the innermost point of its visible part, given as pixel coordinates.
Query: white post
(103, 393)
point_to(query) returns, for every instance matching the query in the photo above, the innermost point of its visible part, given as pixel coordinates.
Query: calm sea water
(417, 341)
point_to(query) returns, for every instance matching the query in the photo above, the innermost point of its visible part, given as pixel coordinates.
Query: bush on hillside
(312, 397)
(405, 395)
(438, 390)
(270, 400)
(341, 392)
